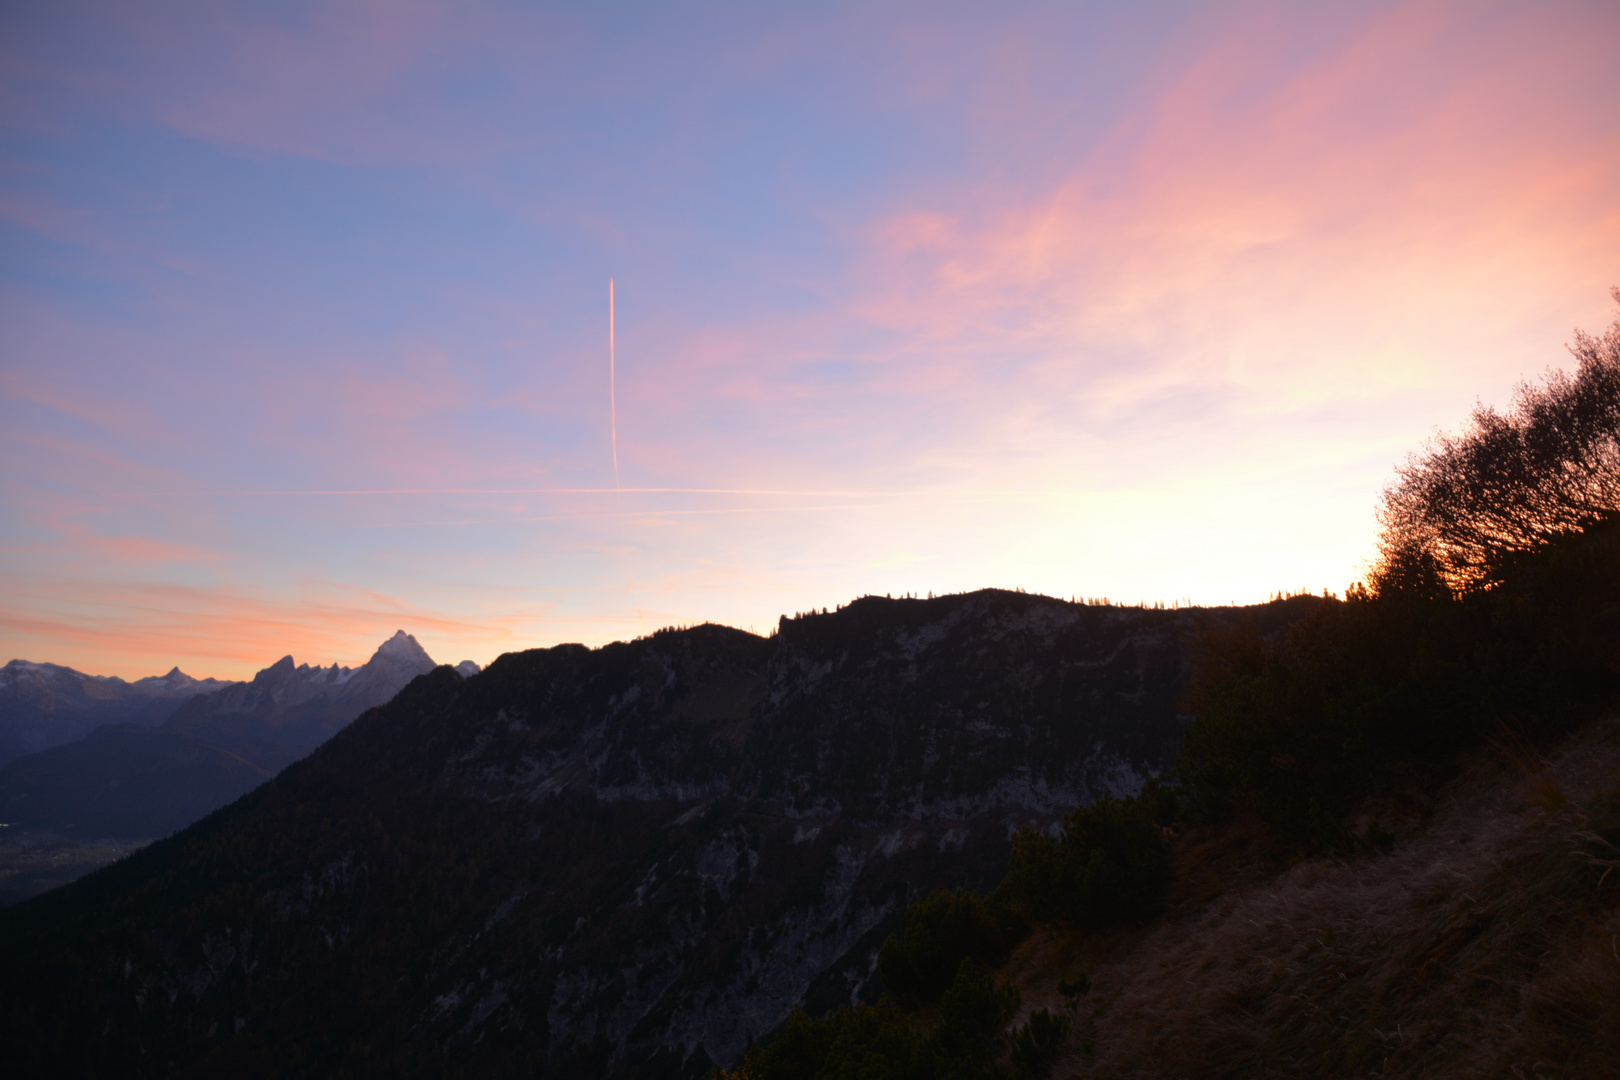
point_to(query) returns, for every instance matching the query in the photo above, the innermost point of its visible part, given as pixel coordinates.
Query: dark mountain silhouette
(626, 861)
(131, 781)
(45, 705)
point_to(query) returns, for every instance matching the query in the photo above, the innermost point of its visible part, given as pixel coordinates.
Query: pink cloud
(1433, 166)
(71, 540)
(1299, 247)
(105, 412)
(112, 625)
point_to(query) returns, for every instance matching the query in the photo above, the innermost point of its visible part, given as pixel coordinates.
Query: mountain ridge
(625, 861)
(145, 780)
(44, 704)
(286, 711)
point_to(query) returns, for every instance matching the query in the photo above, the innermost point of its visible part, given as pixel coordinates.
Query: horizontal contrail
(575, 491)
(620, 514)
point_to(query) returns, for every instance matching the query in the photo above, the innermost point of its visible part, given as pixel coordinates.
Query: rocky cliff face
(819, 781)
(626, 861)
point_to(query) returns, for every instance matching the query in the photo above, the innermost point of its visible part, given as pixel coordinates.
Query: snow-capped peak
(402, 647)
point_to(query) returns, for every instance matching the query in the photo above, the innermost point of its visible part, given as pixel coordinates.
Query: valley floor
(1483, 944)
(33, 861)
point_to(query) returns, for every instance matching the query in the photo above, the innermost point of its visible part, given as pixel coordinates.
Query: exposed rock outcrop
(625, 861)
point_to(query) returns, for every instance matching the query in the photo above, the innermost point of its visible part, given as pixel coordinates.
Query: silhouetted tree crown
(1471, 503)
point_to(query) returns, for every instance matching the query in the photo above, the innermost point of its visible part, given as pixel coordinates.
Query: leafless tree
(1508, 483)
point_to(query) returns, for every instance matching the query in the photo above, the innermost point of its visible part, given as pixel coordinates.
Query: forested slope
(626, 861)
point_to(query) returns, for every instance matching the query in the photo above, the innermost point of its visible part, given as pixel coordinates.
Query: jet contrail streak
(619, 514)
(966, 493)
(613, 404)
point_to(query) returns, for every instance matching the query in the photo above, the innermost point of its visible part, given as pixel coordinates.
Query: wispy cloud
(1136, 301)
(111, 626)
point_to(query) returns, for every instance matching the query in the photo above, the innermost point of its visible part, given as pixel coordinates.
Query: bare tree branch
(1511, 482)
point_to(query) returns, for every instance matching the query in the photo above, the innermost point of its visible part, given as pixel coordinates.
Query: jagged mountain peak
(747, 817)
(175, 682)
(285, 664)
(402, 647)
(225, 738)
(44, 705)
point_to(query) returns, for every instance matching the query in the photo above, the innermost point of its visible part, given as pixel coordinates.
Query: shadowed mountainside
(1481, 944)
(626, 861)
(46, 705)
(124, 780)
(133, 781)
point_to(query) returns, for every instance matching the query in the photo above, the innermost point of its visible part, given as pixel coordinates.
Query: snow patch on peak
(402, 647)
(468, 669)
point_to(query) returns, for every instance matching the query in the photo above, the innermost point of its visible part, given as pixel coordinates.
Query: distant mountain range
(152, 756)
(287, 711)
(46, 705)
(617, 862)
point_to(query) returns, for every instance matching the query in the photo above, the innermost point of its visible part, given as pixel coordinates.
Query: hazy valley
(116, 764)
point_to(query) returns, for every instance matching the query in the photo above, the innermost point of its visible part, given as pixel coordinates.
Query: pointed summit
(403, 648)
(278, 670)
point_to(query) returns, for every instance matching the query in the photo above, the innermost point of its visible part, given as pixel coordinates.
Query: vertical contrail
(613, 404)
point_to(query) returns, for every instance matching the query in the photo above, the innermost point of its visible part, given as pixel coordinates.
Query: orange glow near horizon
(1088, 301)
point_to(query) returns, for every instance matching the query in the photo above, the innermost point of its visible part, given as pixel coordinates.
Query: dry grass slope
(1486, 943)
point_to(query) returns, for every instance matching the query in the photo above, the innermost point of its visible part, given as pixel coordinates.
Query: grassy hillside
(1480, 944)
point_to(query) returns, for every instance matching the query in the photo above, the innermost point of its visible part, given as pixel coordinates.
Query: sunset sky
(304, 307)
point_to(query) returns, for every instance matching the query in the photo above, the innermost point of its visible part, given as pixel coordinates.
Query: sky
(304, 307)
